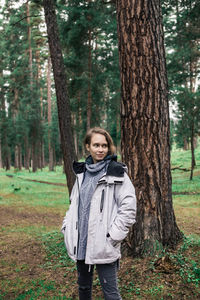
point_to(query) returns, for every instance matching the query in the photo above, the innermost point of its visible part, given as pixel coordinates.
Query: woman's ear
(87, 147)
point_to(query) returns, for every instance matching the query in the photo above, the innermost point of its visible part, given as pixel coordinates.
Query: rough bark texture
(63, 104)
(145, 123)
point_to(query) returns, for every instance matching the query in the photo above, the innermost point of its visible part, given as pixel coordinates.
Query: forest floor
(34, 263)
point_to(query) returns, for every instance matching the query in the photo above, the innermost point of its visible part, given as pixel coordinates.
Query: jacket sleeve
(71, 200)
(126, 198)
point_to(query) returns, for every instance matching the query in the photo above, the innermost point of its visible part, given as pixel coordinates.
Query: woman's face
(98, 147)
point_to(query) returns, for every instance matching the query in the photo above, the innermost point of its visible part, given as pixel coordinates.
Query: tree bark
(5, 149)
(29, 44)
(26, 153)
(89, 100)
(51, 162)
(63, 104)
(1, 163)
(192, 152)
(18, 157)
(33, 132)
(145, 123)
(34, 151)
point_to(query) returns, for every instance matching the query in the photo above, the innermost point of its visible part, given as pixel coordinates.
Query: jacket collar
(114, 168)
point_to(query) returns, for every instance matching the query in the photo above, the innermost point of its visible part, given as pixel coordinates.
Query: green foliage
(91, 27)
(55, 250)
(181, 22)
(35, 264)
(189, 269)
(38, 288)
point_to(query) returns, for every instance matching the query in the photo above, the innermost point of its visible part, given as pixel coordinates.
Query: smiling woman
(99, 143)
(103, 207)
(98, 147)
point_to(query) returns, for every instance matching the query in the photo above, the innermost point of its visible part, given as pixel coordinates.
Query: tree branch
(26, 18)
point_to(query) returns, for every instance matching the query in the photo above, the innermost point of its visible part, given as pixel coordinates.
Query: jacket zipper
(76, 247)
(101, 204)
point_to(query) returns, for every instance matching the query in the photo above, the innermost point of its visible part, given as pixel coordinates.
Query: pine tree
(61, 91)
(182, 37)
(145, 123)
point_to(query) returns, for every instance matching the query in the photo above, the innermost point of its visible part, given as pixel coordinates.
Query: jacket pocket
(114, 244)
(103, 249)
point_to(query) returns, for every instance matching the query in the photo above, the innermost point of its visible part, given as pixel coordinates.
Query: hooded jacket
(112, 212)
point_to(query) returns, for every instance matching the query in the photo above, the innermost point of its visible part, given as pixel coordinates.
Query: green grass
(182, 158)
(16, 191)
(35, 214)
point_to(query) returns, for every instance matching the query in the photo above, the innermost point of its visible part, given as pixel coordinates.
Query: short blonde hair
(99, 130)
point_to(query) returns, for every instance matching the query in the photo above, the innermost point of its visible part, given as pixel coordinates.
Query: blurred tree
(64, 112)
(182, 25)
(89, 34)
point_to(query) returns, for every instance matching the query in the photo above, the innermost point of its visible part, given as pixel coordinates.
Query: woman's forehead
(98, 138)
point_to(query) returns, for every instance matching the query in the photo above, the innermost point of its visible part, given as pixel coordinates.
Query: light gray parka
(112, 212)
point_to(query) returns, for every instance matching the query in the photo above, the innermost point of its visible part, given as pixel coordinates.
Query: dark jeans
(108, 278)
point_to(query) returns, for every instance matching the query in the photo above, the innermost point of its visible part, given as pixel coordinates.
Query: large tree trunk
(145, 123)
(63, 104)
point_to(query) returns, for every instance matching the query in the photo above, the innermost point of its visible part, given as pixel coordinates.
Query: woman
(103, 207)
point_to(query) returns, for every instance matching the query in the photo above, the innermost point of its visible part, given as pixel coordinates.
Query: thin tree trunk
(1, 163)
(26, 153)
(89, 101)
(51, 163)
(192, 90)
(33, 132)
(145, 124)
(5, 149)
(7, 161)
(18, 157)
(63, 104)
(29, 44)
(192, 152)
(185, 147)
(34, 152)
(41, 162)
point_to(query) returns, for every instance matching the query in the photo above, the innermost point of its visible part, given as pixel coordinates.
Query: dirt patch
(24, 259)
(27, 216)
(20, 254)
(40, 181)
(188, 220)
(185, 193)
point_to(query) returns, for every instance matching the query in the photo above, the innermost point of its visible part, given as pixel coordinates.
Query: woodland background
(29, 131)
(164, 258)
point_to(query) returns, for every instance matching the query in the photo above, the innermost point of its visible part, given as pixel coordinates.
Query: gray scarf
(91, 177)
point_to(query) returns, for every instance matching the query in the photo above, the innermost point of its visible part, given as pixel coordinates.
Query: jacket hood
(114, 168)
